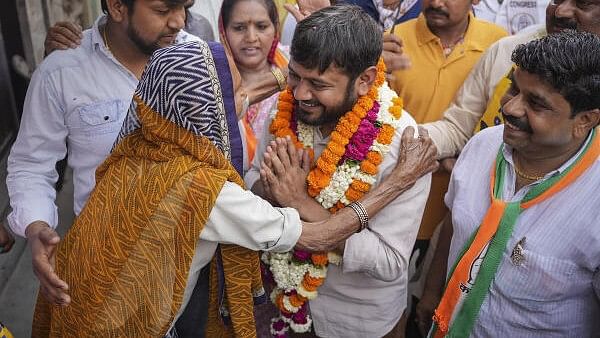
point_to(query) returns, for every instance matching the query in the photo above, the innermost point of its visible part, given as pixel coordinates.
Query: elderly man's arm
(451, 133)
(250, 221)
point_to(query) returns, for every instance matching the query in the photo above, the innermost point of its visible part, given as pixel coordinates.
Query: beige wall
(36, 16)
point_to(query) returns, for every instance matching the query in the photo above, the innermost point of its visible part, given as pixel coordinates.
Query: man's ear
(117, 10)
(365, 80)
(586, 121)
(474, 2)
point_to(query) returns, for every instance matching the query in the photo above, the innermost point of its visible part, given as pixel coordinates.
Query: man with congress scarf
(525, 256)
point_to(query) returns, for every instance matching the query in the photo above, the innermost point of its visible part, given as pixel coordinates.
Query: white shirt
(366, 295)
(512, 15)
(555, 292)
(76, 102)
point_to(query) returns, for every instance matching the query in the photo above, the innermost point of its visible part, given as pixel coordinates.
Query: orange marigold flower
(327, 168)
(329, 156)
(344, 131)
(318, 179)
(314, 281)
(277, 124)
(360, 186)
(337, 137)
(353, 195)
(386, 133)
(353, 119)
(368, 167)
(319, 259)
(313, 191)
(336, 149)
(309, 287)
(374, 157)
(297, 300)
(396, 111)
(279, 303)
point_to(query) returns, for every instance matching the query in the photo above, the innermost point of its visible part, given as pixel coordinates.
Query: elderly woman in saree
(170, 212)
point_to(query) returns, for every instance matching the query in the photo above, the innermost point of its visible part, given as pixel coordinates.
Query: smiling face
(250, 34)
(154, 24)
(538, 121)
(321, 99)
(582, 15)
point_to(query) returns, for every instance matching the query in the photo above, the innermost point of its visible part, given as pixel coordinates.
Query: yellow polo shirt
(430, 85)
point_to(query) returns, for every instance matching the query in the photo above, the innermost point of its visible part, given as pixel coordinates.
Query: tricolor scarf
(459, 307)
(128, 255)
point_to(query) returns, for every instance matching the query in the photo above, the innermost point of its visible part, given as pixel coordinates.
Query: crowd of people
(397, 169)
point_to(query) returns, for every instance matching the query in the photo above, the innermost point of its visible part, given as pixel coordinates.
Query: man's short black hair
(342, 35)
(568, 61)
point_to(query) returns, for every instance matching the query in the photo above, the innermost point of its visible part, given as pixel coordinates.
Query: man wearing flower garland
(524, 259)
(339, 107)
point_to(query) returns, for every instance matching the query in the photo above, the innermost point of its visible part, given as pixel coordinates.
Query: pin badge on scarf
(517, 257)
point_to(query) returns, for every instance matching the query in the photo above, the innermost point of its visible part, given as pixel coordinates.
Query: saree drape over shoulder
(127, 257)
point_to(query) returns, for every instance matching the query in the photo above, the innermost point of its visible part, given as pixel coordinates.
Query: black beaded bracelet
(361, 212)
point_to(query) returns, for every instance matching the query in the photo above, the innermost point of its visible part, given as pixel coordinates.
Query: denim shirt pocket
(101, 117)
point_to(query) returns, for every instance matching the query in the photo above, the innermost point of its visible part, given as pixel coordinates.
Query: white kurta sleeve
(242, 218)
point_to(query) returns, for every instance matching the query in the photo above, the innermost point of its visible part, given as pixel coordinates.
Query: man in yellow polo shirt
(443, 43)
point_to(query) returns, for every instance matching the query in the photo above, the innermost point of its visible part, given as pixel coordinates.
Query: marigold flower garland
(344, 172)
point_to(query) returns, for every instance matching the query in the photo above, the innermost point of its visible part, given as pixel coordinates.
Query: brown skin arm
(436, 278)
(417, 158)
(43, 241)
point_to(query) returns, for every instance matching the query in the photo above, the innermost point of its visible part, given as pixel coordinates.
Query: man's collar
(472, 40)
(97, 39)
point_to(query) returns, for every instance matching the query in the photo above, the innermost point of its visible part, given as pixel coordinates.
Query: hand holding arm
(63, 35)
(43, 241)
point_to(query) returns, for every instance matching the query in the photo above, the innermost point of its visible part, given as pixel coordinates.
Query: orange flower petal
(374, 157)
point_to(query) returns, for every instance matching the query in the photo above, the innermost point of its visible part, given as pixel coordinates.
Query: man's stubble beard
(331, 115)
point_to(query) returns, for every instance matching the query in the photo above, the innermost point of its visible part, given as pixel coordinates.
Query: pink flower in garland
(373, 112)
(279, 325)
(301, 255)
(361, 141)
